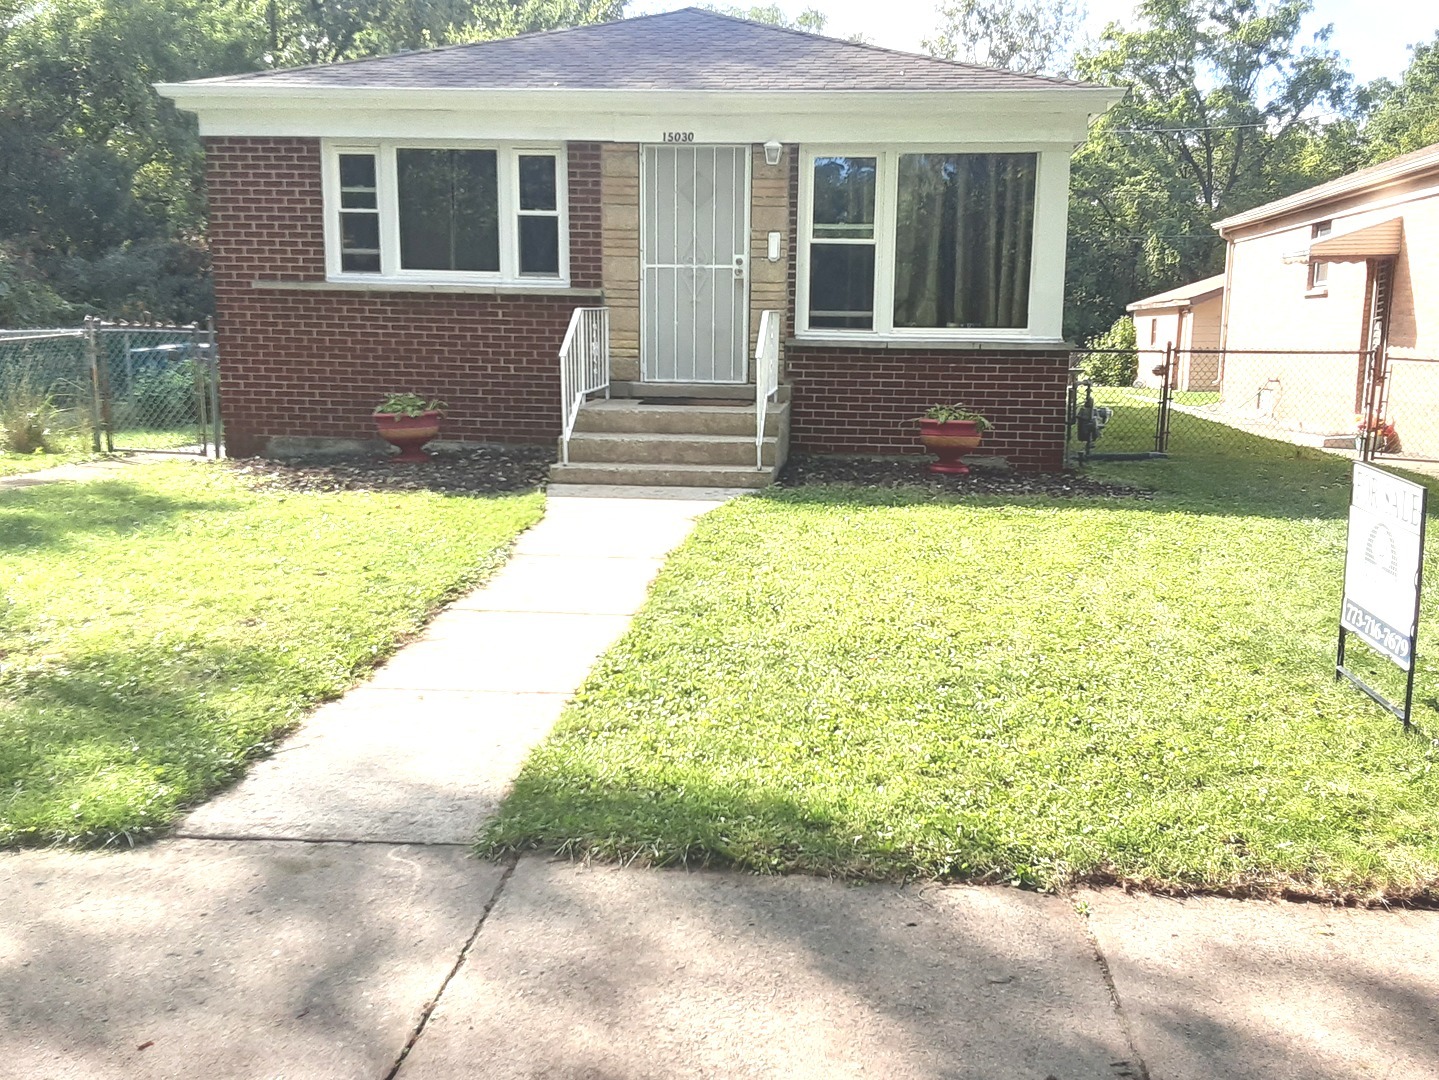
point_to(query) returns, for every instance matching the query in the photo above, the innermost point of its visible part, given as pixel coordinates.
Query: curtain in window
(449, 209)
(963, 239)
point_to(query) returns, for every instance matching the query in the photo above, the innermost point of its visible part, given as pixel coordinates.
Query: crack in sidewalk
(1110, 985)
(431, 1005)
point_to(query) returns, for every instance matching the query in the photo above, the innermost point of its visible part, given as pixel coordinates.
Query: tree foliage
(1223, 113)
(811, 20)
(101, 181)
(1113, 359)
(1406, 115)
(1026, 35)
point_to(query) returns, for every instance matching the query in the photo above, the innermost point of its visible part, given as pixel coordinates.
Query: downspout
(1224, 316)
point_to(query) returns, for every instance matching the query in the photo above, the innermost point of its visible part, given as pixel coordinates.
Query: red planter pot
(948, 440)
(409, 433)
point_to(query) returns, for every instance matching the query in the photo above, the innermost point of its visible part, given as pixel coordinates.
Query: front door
(694, 253)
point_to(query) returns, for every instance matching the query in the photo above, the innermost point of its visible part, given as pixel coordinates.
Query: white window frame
(387, 196)
(886, 213)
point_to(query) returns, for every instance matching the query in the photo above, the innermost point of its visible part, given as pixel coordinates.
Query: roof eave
(201, 96)
(1179, 303)
(1334, 190)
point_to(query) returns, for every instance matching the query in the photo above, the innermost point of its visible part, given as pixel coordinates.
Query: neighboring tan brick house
(1186, 320)
(1349, 269)
(430, 221)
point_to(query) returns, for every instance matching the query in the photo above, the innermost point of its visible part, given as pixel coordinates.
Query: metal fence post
(92, 361)
(212, 374)
(1166, 396)
(198, 387)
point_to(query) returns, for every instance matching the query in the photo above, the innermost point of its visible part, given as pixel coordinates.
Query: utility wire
(1251, 127)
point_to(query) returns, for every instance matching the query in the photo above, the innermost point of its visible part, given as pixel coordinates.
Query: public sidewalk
(324, 919)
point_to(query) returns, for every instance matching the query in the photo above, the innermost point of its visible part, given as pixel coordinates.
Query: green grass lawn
(1034, 691)
(160, 630)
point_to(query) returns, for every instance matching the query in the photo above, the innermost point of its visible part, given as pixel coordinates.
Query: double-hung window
(1319, 271)
(934, 244)
(483, 214)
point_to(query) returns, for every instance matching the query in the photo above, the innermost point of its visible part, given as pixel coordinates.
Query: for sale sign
(1383, 562)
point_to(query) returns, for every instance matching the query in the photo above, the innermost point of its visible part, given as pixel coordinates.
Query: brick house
(1186, 319)
(439, 221)
(1318, 283)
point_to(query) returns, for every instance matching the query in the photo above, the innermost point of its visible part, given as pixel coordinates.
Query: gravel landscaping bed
(804, 470)
(478, 470)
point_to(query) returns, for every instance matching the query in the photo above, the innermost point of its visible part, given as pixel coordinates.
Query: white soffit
(939, 117)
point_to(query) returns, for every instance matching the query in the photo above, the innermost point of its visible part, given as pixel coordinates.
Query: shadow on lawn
(58, 515)
(112, 744)
(702, 823)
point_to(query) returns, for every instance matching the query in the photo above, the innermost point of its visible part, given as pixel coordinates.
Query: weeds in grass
(27, 409)
(32, 419)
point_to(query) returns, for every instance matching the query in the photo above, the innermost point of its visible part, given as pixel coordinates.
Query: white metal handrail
(766, 377)
(584, 366)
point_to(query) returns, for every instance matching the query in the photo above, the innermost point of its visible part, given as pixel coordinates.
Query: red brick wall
(313, 363)
(856, 401)
(266, 210)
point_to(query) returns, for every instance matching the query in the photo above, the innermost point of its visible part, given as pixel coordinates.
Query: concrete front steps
(648, 441)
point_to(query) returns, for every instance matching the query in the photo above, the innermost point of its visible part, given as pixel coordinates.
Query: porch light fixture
(772, 151)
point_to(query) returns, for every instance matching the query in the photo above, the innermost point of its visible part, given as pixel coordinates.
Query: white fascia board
(1012, 116)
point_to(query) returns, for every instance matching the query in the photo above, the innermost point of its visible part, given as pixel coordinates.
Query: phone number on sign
(1375, 631)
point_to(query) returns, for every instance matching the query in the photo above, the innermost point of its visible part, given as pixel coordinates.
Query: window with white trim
(487, 214)
(920, 244)
(1319, 271)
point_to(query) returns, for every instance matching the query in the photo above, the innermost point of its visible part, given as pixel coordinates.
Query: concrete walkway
(101, 469)
(424, 751)
(324, 918)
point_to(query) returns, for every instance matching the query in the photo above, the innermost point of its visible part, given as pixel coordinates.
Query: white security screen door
(694, 254)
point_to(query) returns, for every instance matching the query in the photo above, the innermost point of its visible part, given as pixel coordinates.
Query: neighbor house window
(446, 213)
(1319, 271)
(923, 243)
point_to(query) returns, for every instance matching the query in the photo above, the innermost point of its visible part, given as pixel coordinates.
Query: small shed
(1189, 319)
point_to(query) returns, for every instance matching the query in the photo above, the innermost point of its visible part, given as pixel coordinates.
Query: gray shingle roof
(691, 49)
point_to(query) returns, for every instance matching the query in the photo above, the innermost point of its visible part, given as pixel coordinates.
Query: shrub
(1118, 362)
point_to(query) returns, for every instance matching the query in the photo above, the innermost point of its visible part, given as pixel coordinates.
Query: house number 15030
(679, 136)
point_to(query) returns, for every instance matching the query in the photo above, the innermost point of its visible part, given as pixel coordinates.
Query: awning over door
(1373, 242)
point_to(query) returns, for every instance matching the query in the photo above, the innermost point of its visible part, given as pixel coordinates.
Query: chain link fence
(1145, 403)
(109, 387)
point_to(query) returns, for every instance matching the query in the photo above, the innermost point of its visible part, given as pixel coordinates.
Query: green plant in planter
(947, 414)
(408, 405)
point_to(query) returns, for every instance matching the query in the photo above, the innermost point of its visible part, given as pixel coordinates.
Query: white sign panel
(1382, 561)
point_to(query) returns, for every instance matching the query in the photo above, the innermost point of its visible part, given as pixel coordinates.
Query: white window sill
(895, 342)
(393, 285)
